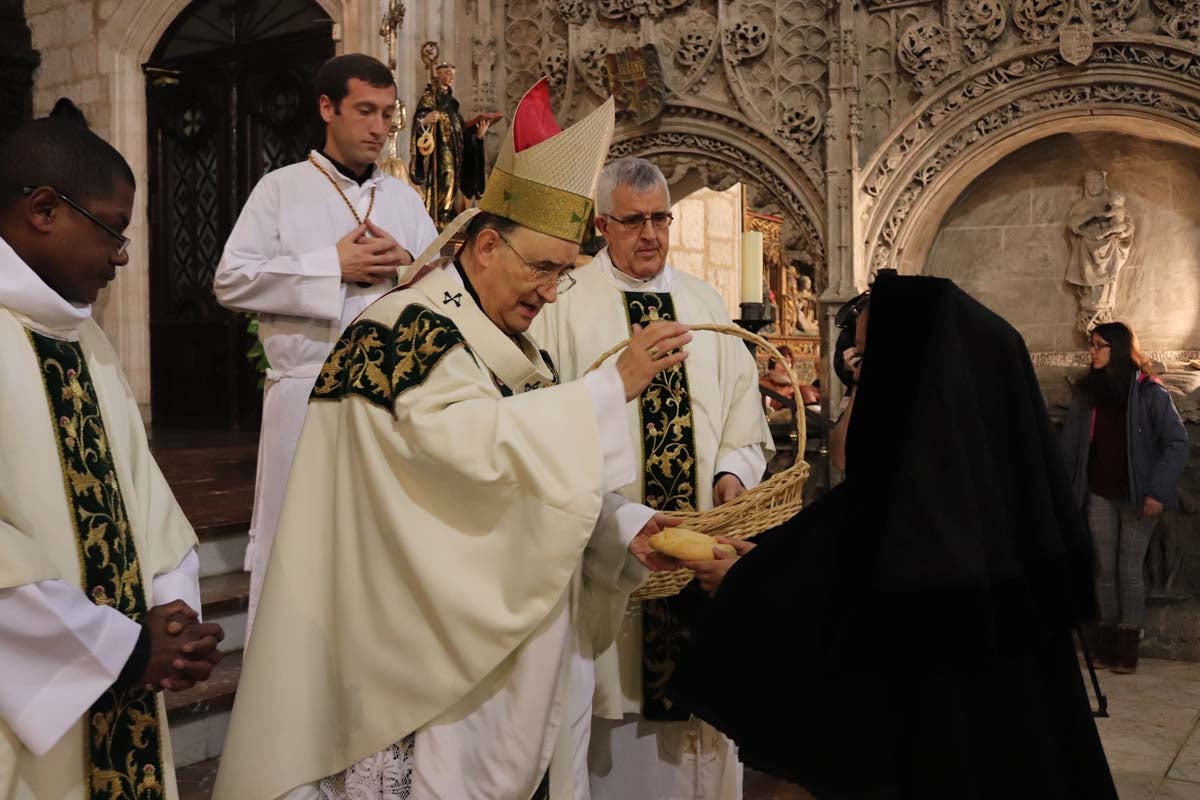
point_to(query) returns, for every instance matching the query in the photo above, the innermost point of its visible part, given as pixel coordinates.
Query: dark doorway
(18, 60)
(229, 97)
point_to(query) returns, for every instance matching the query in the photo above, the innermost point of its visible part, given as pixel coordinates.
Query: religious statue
(1101, 239)
(806, 306)
(446, 153)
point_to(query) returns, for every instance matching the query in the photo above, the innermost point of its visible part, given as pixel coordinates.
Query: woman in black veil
(909, 635)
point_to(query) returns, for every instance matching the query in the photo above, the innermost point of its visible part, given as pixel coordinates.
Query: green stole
(668, 484)
(124, 739)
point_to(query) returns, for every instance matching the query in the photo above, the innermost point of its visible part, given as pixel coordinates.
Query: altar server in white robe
(316, 243)
(701, 440)
(98, 567)
(415, 635)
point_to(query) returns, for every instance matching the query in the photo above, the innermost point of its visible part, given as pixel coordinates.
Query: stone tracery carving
(1181, 20)
(801, 126)
(924, 52)
(636, 9)
(556, 66)
(531, 28)
(745, 40)
(574, 12)
(769, 59)
(1017, 111)
(1039, 20)
(694, 47)
(1113, 16)
(688, 45)
(980, 23)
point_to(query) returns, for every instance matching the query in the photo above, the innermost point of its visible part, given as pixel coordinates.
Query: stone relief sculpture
(1101, 239)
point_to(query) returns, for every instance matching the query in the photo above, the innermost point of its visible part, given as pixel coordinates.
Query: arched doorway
(229, 97)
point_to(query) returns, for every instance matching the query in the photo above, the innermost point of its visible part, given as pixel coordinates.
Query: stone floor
(1151, 736)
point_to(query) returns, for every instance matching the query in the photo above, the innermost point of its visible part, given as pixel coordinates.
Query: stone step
(196, 781)
(223, 554)
(199, 717)
(224, 599)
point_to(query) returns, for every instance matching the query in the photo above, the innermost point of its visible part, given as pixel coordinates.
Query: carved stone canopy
(1149, 87)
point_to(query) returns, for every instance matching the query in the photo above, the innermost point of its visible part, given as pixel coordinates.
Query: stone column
(843, 132)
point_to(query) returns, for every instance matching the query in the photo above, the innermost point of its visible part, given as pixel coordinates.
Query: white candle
(752, 267)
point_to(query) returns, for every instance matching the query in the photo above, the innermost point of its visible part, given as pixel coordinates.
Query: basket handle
(733, 330)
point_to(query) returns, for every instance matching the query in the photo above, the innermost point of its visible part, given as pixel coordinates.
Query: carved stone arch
(1146, 86)
(722, 153)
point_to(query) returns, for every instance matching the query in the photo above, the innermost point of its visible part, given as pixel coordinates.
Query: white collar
(23, 292)
(327, 165)
(661, 282)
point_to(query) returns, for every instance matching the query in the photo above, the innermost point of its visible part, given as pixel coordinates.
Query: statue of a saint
(1101, 239)
(806, 306)
(446, 152)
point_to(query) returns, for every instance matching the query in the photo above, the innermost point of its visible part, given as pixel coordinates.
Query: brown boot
(1128, 639)
(1106, 646)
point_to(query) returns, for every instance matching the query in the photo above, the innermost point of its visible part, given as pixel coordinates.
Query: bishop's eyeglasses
(561, 281)
(120, 237)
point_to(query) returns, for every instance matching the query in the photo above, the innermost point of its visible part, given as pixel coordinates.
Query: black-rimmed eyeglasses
(661, 220)
(120, 237)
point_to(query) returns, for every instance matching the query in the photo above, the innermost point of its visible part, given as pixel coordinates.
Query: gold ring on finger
(652, 351)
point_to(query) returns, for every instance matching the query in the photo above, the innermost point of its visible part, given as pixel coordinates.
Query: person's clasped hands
(177, 649)
(369, 255)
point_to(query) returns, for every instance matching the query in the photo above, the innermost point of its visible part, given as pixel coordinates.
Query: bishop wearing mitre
(416, 633)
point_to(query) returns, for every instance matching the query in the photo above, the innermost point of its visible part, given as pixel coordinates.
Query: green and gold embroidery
(668, 484)
(665, 410)
(124, 739)
(380, 363)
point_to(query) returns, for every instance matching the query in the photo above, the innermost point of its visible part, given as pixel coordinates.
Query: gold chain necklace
(346, 200)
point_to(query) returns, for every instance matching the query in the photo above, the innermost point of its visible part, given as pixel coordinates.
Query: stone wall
(1005, 239)
(706, 240)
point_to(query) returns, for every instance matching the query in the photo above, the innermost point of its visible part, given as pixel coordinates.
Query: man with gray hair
(703, 440)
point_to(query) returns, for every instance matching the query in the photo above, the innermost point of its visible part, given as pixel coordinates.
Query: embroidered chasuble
(425, 571)
(124, 741)
(82, 506)
(668, 484)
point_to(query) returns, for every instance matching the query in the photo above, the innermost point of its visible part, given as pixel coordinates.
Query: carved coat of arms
(635, 78)
(1076, 36)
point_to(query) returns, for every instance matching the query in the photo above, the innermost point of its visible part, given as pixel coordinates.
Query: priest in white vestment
(415, 636)
(98, 567)
(701, 440)
(316, 243)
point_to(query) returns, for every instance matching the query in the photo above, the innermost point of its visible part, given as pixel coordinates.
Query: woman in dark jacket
(1125, 447)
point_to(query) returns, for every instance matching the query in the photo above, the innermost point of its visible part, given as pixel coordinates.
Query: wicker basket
(770, 503)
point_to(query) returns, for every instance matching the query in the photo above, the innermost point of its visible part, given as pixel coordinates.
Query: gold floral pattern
(124, 739)
(380, 363)
(668, 484)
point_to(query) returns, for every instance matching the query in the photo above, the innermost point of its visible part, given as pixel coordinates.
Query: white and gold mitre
(544, 178)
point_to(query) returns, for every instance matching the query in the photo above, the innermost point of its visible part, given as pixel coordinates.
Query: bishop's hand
(652, 349)
(640, 547)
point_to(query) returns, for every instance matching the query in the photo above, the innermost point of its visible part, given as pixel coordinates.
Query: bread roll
(688, 545)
